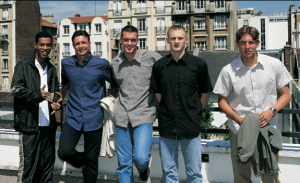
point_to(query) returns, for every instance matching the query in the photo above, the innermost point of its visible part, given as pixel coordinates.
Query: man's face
(43, 47)
(81, 45)
(247, 46)
(177, 40)
(129, 41)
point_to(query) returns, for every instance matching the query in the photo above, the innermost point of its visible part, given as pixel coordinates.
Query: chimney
(77, 15)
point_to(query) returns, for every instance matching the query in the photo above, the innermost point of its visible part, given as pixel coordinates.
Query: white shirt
(43, 106)
(252, 90)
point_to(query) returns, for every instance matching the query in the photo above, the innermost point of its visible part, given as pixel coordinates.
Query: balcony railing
(4, 52)
(223, 47)
(117, 31)
(66, 53)
(200, 27)
(4, 69)
(141, 9)
(161, 29)
(143, 30)
(98, 53)
(223, 8)
(198, 9)
(4, 36)
(144, 48)
(220, 27)
(201, 47)
(5, 18)
(180, 11)
(5, 87)
(117, 13)
(160, 48)
(160, 9)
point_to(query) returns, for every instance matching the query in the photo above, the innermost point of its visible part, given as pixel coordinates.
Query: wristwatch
(274, 111)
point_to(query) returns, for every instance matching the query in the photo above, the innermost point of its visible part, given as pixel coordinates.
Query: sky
(65, 9)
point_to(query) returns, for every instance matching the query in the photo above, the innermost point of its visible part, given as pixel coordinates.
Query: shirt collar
(38, 65)
(137, 57)
(183, 59)
(85, 61)
(240, 63)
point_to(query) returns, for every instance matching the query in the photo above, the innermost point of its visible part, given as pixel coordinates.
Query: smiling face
(247, 46)
(129, 41)
(177, 40)
(81, 45)
(43, 48)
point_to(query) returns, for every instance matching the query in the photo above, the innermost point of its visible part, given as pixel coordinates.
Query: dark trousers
(89, 158)
(37, 156)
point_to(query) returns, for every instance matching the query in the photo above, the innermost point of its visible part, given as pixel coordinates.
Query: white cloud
(65, 9)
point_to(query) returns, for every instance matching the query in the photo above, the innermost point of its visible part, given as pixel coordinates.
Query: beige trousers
(242, 171)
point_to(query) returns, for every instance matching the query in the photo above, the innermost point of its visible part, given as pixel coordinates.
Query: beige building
(210, 25)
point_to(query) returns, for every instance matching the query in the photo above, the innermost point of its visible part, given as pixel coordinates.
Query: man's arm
(63, 91)
(283, 100)
(204, 99)
(228, 110)
(158, 98)
(114, 92)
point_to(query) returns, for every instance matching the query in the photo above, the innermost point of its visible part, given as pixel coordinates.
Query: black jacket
(25, 87)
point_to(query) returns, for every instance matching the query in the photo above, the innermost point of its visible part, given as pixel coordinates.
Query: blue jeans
(191, 149)
(133, 144)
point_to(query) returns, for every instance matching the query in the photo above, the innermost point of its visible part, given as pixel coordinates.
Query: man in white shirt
(34, 87)
(248, 85)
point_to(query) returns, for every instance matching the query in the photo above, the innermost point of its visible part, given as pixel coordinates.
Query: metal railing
(160, 48)
(4, 52)
(220, 47)
(117, 13)
(4, 69)
(4, 36)
(98, 53)
(5, 87)
(143, 30)
(220, 27)
(161, 29)
(141, 9)
(66, 53)
(160, 9)
(200, 27)
(5, 18)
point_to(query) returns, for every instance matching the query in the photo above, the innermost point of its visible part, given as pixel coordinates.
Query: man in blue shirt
(83, 79)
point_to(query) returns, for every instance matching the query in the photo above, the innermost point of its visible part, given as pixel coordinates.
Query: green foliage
(207, 119)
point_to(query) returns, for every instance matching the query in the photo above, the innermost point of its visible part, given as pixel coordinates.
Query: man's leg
(267, 178)
(124, 151)
(29, 157)
(142, 137)
(47, 159)
(168, 149)
(191, 149)
(68, 140)
(92, 143)
(241, 171)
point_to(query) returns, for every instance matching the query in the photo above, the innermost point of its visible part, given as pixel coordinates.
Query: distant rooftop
(45, 23)
(77, 18)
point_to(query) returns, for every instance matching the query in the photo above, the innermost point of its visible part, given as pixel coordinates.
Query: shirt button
(176, 107)
(176, 96)
(82, 104)
(175, 74)
(175, 86)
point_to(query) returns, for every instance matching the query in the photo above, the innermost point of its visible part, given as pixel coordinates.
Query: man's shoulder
(67, 60)
(116, 59)
(150, 54)
(98, 60)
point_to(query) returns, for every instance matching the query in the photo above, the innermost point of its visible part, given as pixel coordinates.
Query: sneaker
(145, 174)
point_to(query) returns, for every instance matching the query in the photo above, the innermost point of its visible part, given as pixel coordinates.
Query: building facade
(266, 25)
(294, 27)
(210, 25)
(19, 23)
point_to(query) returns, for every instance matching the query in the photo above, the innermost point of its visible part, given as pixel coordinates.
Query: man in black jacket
(34, 87)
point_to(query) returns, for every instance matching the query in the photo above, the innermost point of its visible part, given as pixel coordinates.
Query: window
(262, 34)
(98, 47)
(220, 22)
(141, 6)
(5, 64)
(201, 45)
(200, 24)
(141, 25)
(143, 44)
(98, 27)
(4, 29)
(220, 5)
(220, 43)
(5, 14)
(5, 85)
(181, 5)
(5, 47)
(117, 8)
(199, 4)
(182, 22)
(66, 49)
(128, 4)
(66, 29)
(81, 27)
(160, 25)
(118, 27)
(245, 22)
(160, 6)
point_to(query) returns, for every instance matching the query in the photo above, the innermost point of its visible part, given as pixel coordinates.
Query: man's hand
(55, 105)
(45, 94)
(239, 120)
(265, 117)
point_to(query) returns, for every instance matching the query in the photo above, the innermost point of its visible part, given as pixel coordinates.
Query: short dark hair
(129, 28)
(175, 27)
(247, 30)
(80, 33)
(42, 34)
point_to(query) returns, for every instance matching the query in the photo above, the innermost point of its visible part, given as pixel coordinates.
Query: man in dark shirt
(83, 78)
(181, 84)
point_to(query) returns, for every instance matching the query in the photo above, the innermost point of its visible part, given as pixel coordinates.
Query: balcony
(160, 48)
(5, 18)
(141, 9)
(117, 31)
(4, 69)
(98, 53)
(4, 52)
(221, 47)
(160, 9)
(201, 47)
(117, 13)
(144, 48)
(199, 28)
(222, 27)
(5, 2)
(161, 30)
(180, 11)
(222, 8)
(66, 54)
(3, 37)
(198, 9)
(143, 30)
(5, 87)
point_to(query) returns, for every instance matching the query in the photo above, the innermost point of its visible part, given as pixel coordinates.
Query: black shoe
(145, 174)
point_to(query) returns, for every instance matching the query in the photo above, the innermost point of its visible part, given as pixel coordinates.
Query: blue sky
(65, 9)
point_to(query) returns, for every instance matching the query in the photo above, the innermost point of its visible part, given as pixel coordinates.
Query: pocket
(188, 88)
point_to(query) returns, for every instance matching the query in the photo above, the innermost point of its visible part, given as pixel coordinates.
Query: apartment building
(19, 23)
(152, 19)
(210, 25)
(294, 27)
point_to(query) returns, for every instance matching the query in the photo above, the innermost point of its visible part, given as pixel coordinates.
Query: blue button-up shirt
(86, 86)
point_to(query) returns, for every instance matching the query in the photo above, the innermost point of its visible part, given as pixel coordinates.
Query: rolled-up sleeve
(223, 85)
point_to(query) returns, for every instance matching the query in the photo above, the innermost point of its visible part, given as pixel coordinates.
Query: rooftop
(86, 19)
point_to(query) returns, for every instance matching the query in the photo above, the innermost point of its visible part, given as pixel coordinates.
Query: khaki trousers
(242, 171)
